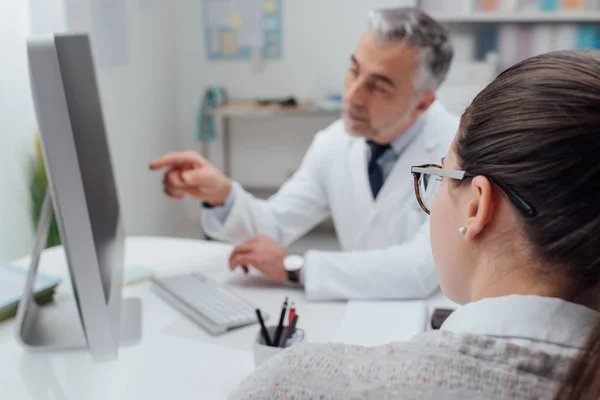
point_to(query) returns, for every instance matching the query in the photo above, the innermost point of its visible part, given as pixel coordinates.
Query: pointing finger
(173, 179)
(242, 260)
(244, 248)
(177, 159)
(174, 193)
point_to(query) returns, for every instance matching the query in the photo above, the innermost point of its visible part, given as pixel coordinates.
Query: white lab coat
(386, 252)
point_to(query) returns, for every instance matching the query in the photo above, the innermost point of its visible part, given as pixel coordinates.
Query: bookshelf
(516, 29)
(501, 33)
(516, 17)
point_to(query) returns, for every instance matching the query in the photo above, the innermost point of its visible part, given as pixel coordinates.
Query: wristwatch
(293, 263)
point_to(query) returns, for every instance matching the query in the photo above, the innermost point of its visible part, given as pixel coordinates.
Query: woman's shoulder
(433, 364)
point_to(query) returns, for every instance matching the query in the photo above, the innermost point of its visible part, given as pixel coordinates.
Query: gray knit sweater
(434, 365)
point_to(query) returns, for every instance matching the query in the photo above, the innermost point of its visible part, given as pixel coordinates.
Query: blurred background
(186, 74)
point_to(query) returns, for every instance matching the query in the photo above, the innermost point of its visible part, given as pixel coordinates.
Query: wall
(47, 16)
(139, 102)
(17, 125)
(319, 37)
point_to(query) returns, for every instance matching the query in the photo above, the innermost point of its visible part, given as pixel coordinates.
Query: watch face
(293, 262)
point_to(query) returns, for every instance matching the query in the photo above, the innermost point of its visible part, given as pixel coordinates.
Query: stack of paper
(12, 285)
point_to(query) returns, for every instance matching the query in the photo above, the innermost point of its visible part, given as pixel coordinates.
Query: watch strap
(294, 276)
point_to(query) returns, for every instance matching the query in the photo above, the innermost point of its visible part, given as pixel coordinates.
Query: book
(487, 5)
(12, 286)
(529, 5)
(509, 5)
(586, 37)
(525, 43)
(508, 45)
(593, 5)
(12, 283)
(549, 5)
(543, 37)
(566, 37)
(486, 42)
(41, 298)
(572, 4)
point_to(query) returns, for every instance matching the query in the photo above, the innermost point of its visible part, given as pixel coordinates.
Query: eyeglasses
(428, 179)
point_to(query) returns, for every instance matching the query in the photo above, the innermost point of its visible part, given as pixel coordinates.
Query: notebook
(12, 285)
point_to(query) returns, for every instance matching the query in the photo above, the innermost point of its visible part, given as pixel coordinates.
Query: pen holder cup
(262, 352)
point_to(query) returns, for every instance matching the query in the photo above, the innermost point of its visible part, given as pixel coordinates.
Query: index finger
(244, 248)
(178, 158)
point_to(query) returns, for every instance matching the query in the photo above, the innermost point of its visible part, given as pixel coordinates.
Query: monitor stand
(58, 326)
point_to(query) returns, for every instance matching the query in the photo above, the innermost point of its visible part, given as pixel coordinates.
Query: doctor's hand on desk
(262, 253)
(188, 173)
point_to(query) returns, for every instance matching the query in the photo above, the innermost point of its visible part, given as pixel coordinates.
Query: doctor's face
(380, 101)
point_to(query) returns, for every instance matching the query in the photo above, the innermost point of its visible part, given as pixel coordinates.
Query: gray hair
(413, 26)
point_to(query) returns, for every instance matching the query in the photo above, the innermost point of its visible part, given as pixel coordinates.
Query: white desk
(176, 359)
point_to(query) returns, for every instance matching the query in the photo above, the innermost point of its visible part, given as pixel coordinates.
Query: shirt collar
(541, 319)
(402, 142)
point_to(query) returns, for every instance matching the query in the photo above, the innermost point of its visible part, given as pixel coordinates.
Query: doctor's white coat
(386, 252)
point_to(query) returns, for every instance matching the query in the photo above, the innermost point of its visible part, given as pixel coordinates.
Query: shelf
(563, 16)
(249, 108)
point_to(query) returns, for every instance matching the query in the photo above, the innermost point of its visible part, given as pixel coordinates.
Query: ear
(424, 103)
(481, 208)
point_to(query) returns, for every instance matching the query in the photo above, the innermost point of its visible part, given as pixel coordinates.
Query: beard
(359, 124)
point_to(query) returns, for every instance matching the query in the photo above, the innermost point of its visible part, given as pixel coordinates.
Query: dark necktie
(375, 172)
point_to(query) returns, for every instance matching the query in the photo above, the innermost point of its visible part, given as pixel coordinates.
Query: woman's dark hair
(536, 131)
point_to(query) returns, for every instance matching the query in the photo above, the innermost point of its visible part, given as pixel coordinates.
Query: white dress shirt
(539, 323)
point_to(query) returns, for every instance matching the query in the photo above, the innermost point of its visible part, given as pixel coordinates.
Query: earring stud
(462, 230)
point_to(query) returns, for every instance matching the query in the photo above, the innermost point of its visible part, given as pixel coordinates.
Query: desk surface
(176, 359)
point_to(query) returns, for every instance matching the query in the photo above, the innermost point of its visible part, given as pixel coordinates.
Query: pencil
(279, 329)
(290, 331)
(292, 313)
(263, 328)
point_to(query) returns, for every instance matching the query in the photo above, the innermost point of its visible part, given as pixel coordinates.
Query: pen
(263, 329)
(279, 329)
(290, 331)
(292, 313)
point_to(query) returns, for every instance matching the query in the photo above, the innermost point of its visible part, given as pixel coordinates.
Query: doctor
(354, 171)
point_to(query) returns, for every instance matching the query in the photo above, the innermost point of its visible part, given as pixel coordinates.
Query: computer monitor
(83, 194)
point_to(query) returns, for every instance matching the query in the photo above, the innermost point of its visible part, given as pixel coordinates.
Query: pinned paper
(236, 21)
(270, 6)
(242, 29)
(228, 43)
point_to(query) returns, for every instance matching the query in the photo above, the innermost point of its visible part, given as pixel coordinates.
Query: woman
(515, 232)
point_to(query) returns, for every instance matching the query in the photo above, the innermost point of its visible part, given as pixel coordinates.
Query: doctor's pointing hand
(190, 174)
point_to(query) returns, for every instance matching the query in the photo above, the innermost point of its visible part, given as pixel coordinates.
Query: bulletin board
(235, 29)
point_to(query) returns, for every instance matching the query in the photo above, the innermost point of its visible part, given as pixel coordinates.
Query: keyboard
(206, 302)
